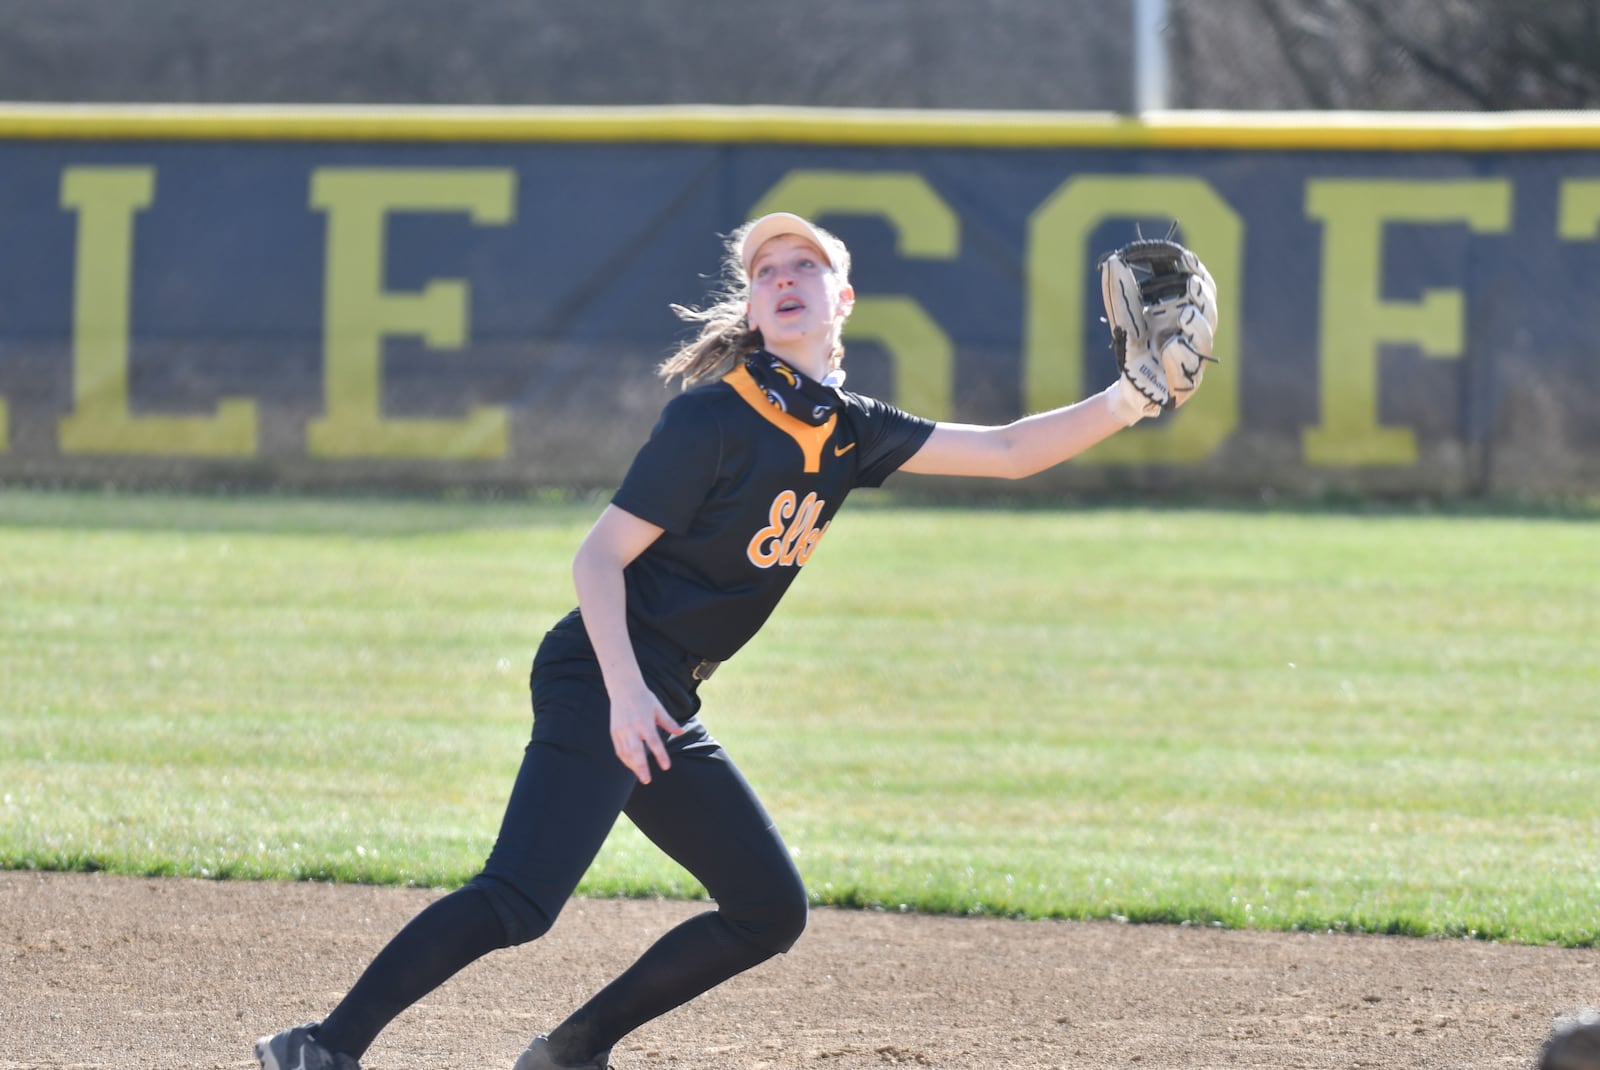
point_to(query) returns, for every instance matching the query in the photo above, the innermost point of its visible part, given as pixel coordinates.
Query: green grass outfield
(1380, 721)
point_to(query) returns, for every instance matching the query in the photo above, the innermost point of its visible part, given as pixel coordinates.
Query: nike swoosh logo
(840, 451)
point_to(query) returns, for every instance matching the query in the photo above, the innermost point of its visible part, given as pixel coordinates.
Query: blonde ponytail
(725, 339)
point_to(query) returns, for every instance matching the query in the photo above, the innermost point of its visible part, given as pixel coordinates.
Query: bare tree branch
(1424, 57)
(1564, 57)
(1311, 85)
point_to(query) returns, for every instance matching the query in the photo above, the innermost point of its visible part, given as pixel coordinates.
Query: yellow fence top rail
(1381, 131)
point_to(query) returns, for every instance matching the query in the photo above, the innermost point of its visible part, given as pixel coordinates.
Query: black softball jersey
(744, 491)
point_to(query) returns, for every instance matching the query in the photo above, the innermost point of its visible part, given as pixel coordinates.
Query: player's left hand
(1161, 304)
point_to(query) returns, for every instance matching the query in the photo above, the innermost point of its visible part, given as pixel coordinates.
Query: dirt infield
(131, 972)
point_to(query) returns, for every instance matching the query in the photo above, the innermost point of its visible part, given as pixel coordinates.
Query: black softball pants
(567, 796)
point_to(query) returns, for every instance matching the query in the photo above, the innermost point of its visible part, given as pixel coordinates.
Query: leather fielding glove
(1161, 306)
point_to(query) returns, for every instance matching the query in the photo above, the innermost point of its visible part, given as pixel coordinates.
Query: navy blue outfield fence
(437, 297)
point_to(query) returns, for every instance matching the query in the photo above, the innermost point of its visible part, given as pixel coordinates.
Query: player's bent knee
(776, 924)
(792, 923)
(522, 918)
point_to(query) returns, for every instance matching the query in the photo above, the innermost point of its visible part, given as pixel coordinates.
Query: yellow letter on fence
(1579, 218)
(1059, 263)
(1356, 320)
(106, 199)
(359, 312)
(925, 227)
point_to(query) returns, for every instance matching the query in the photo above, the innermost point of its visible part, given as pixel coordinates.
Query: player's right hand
(637, 721)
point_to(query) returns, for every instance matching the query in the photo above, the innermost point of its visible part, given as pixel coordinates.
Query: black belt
(650, 642)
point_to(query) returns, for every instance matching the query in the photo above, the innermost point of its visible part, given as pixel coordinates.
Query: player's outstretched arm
(1161, 306)
(615, 540)
(1020, 448)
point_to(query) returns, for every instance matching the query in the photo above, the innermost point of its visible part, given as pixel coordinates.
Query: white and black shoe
(538, 1057)
(297, 1049)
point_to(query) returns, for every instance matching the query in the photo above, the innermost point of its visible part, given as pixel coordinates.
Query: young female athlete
(722, 506)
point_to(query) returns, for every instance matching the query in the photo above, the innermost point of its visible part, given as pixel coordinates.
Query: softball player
(738, 482)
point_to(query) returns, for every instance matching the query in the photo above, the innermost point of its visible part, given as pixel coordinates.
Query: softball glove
(1161, 306)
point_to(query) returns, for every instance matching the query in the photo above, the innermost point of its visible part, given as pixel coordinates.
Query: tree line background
(1414, 55)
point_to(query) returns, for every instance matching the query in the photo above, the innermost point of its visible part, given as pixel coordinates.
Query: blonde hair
(725, 336)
